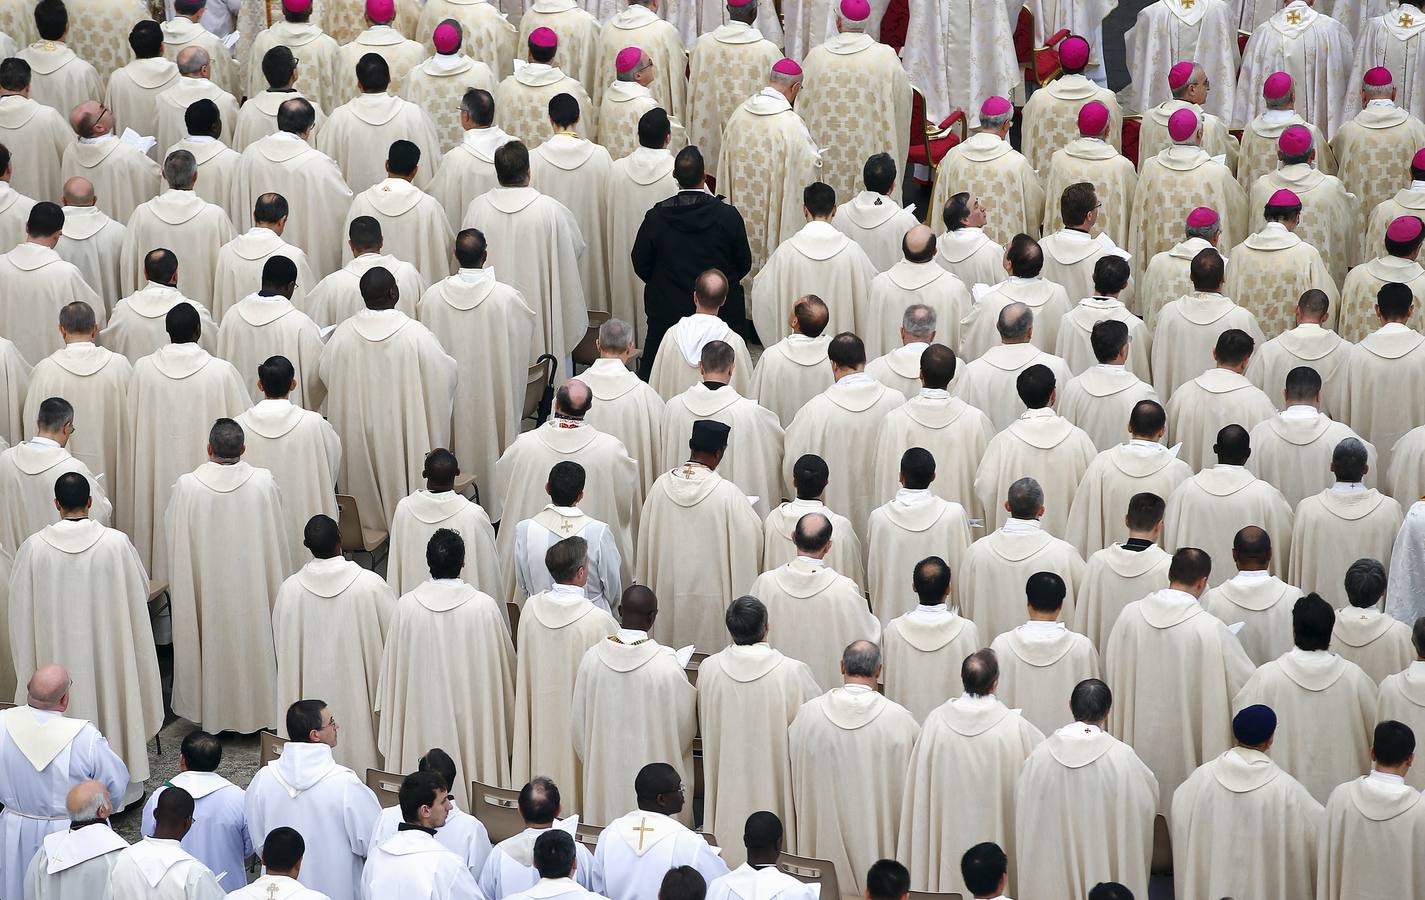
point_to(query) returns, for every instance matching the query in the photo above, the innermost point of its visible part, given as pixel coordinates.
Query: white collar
(1387, 777)
(856, 688)
(1274, 226)
(1276, 116)
(1300, 411)
(810, 561)
(1110, 367)
(201, 139)
(631, 635)
(913, 344)
(476, 276)
(568, 590)
(1348, 487)
(854, 379)
(43, 441)
(287, 136)
(1385, 103)
(1043, 629)
(447, 581)
(101, 139)
(1021, 526)
(912, 497)
(1229, 467)
(1252, 575)
(1417, 185)
(1393, 328)
(1079, 728)
(934, 393)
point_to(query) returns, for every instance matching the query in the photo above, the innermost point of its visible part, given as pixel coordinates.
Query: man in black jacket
(681, 238)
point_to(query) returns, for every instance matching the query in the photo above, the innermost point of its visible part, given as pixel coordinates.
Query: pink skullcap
(1182, 125)
(627, 59)
(856, 10)
(1093, 118)
(1180, 73)
(543, 37)
(1074, 52)
(1404, 229)
(1277, 86)
(381, 11)
(1295, 140)
(996, 106)
(1202, 217)
(1378, 77)
(740, 2)
(297, 6)
(1418, 162)
(785, 66)
(446, 38)
(1284, 197)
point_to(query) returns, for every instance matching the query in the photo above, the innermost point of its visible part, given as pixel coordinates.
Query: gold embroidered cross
(566, 526)
(1293, 17)
(1406, 20)
(1188, 4)
(641, 829)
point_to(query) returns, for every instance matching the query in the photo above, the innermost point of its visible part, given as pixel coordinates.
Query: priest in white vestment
(238, 272)
(1123, 572)
(1375, 148)
(1178, 179)
(1190, 327)
(627, 100)
(1254, 599)
(358, 132)
(295, 30)
(78, 862)
(522, 99)
(435, 507)
(34, 133)
(577, 30)
(1399, 698)
(39, 284)
(1171, 30)
(90, 239)
(1102, 398)
(642, 24)
(915, 280)
(1328, 219)
(1313, 48)
(509, 865)
(795, 369)
(1363, 634)
(184, 30)
(925, 647)
(726, 65)
(988, 167)
(488, 36)
(575, 171)
(913, 525)
(281, 856)
(119, 168)
(1401, 241)
(989, 383)
(561, 518)
(380, 38)
(872, 217)
(636, 183)
(15, 207)
(1047, 300)
(193, 84)
(28, 471)
(625, 406)
(957, 68)
(1262, 136)
(1393, 354)
(1042, 660)
(809, 478)
(1341, 524)
(1090, 157)
(468, 169)
(158, 865)
(61, 77)
(219, 837)
(1390, 40)
(413, 857)
(279, 72)
(1167, 275)
(1312, 345)
(413, 225)
(1219, 397)
(1293, 449)
(1072, 253)
(759, 876)
(899, 367)
(217, 162)
(1052, 114)
(337, 297)
(437, 84)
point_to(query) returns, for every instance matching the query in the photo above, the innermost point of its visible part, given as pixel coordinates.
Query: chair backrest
(386, 786)
(269, 746)
(5, 704)
(541, 379)
(691, 669)
(811, 871)
(588, 835)
(497, 809)
(933, 895)
(348, 524)
(588, 350)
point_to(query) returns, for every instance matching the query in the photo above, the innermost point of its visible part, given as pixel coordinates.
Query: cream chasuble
(489, 36)
(359, 134)
(1305, 345)
(1047, 300)
(317, 196)
(467, 170)
(28, 472)
(1043, 445)
(180, 32)
(630, 410)
(522, 102)
(1330, 218)
(1335, 528)
(303, 453)
(1166, 278)
(96, 382)
(959, 52)
(998, 565)
(217, 171)
(639, 26)
(577, 31)
(91, 241)
(636, 182)
(413, 225)
(437, 86)
(1186, 335)
(878, 223)
(818, 260)
(924, 650)
(171, 106)
(14, 213)
(36, 136)
(901, 285)
(1100, 503)
(1115, 577)
(813, 613)
(1380, 644)
(1402, 698)
(122, 175)
(899, 369)
(238, 272)
(1210, 402)
(1293, 452)
(1373, 152)
(74, 863)
(753, 459)
(316, 53)
(137, 327)
(337, 297)
(1051, 120)
(60, 78)
(1313, 49)
(988, 383)
(1371, 839)
(986, 166)
(177, 219)
(38, 285)
(258, 116)
(1070, 256)
(778, 549)
(913, 526)
(575, 172)
(624, 103)
(1260, 146)
(727, 65)
(680, 353)
(401, 55)
(1153, 138)
(1114, 179)
(1406, 476)
(1356, 315)
(1075, 342)
(1208, 510)
(790, 373)
(1394, 355)
(1040, 663)
(1204, 31)
(1392, 41)
(1172, 184)
(955, 433)
(1263, 603)
(416, 521)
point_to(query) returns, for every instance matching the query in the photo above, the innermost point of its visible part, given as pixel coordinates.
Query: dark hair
(51, 19)
(1078, 200)
(295, 116)
(1312, 620)
(45, 219)
(419, 789)
(931, 580)
(1393, 743)
(563, 110)
(201, 751)
(1035, 386)
(1046, 592)
(283, 849)
(511, 164)
(1207, 270)
(688, 168)
(1109, 336)
(819, 199)
(1026, 257)
(71, 490)
(1234, 346)
(879, 173)
(269, 207)
(887, 880)
(982, 867)
(746, 621)
(654, 128)
(937, 366)
(445, 553)
(1090, 700)
(956, 209)
(683, 883)
(403, 158)
(373, 73)
(566, 483)
(145, 39)
(183, 324)
(809, 476)
(554, 854)
(304, 717)
(278, 64)
(847, 351)
(1189, 566)
(539, 801)
(1393, 298)
(1147, 417)
(1145, 511)
(1110, 274)
(917, 468)
(276, 374)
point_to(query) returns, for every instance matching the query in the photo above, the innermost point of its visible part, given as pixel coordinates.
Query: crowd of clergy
(1064, 534)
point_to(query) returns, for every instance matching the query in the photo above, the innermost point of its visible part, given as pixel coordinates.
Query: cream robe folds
(1294, 451)
(1187, 333)
(1374, 150)
(416, 861)
(1174, 670)
(639, 26)
(467, 170)
(624, 104)
(316, 53)
(1078, 787)
(416, 521)
(1305, 345)
(913, 526)
(1335, 528)
(1174, 183)
(534, 537)
(83, 572)
(879, 224)
(329, 622)
(1069, 259)
(96, 382)
(954, 432)
(171, 106)
(489, 37)
(628, 863)
(845, 555)
(241, 260)
(60, 78)
(972, 749)
(1402, 698)
(630, 410)
(791, 372)
(1380, 644)
(839, 425)
(727, 65)
(857, 739)
(1046, 299)
(924, 650)
(1326, 710)
(1242, 804)
(899, 369)
(1075, 341)
(958, 52)
(182, 221)
(905, 283)
(401, 55)
(1204, 31)
(1166, 278)
(75, 863)
(258, 116)
(466, 706)
(337, 297)
(658, 729)
(14, 213)
(680, 353)
(1115, 577)
(535, 240)
(38, 284)
(217, 170)
(1051, 120)
(14, 373)
(1100, 401)
(813, 613)
(161, 869)
(137, 327)
(1311, 47)
(28, 472)
(1356, 314)
(1153, 138)
(91, 241)
(522, 102)
(1259, 147)
(1262, 602)
(1371, 838)
(360, 132)
(1406, 476)
(991, 581)
(556, 628)
(486, 326)
(1100, 502)
(301, 450)
(818, 260)
(1391, 355)
(989, 382)
(768, 159)
(1330, 223)
(753, 460)
(575, 172)
(1409, 201)
(376, 362)
(1114, 179)
(1041, 444)
(636, 182)
(180, 32)
(1210, 402)
(36, 136)
(578, 33)
(1040, 663)
(747, 698)
(1391, 40)
(986, 166)
(1208, 510)
(856, 102)
(312, 183)
(437, 86)
(414, 228)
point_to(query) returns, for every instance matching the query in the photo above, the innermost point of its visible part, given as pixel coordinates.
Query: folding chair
(348, 523)
(588, 835)
(691, 670)
(497, 809)
(932, 895)
(386, 786)
(269, 746)
(811, 871)
(539, 389)
(588, 350)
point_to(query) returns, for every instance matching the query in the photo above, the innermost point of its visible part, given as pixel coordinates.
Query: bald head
(573, 399)
(193, 61)
(918, 245)
(639, 607)
(1252, 549)
(89, 119)
(1016, 323)
(79, 191)
(88, 801)
(49, 688)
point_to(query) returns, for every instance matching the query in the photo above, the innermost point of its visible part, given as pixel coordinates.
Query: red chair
(1132, 125)
(1041, 64)
(929, 143)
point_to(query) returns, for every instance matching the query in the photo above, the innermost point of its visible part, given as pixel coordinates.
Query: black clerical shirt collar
(407, 826)
(714, 385)
(1137, 545)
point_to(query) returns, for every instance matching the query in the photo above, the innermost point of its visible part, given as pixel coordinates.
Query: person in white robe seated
(1075, 342)
(1293, 449)
(1166, 276)
(412, 862)
(972, 748)
(138, 326)
(219, 838)
(914, 277)
(337, 297)
(873, 218)
(1328, 704)
(1364, 635)
(925, 647)
(158, 866)
(911, 526)
(1123, 572)
(1042, 660)
(1394, 355)
(964, 250)
(560, 520)
(759, 877)
(280, 856)
(1333, 528)
(679, 355)
(899, 368)
(414, 224)
(809, 480)
(439, 505)
(328, 804)
(1219, 397)
(1240, 802)
(1189, 327)
(1174, 670)
(795, 369)
(637, 849)
(78, 862)
(1027, 284)
(509, 868)
(28, 471)
(468, 169)
(989, 383)
(1254, 600)
(1311, 344)
(560, 866)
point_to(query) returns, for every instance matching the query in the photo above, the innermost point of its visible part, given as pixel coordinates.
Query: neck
(704, 459)
(1400, 770)
(56, 436)
(765, 857)
(1253, 565)
(324, 555)
(1385, 321)
(169, 833)
(634, 623)
(868, 681)
(76, 824)
(1097, 723)
(706, 311)
(1142, 535)
(440, 488)
(275, 396)
(74, 515)
(1185, 588)
(1037, 616)
(282, 873)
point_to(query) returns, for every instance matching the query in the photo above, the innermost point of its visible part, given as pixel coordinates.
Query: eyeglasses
(331, 724)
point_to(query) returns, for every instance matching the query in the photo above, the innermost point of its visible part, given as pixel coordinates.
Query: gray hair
(1025, 499)
(995, 123)
(778, 79)
(191, 63)
(615, 335)
(1378, 91)
(1286, 102)
(1015, 321)
(850, 25)
(919, 321)
(180, 170)
(1206, 232)
(1180, 92)
(91, 801)
(861, 659)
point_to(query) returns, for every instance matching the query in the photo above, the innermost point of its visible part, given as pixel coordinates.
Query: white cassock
(1171, 185)
(327, 803)
(726, 65)
(535, 242)
(957, 67)
(44, 754)
(180, 32)
(1101, 400)
(1051, 122)
(778, 548)
(902, 532)
(1186, 333)
(1355, 314)
(1040, 663)
(1204, 31)
(122, 174)
(556, 628)
(337, 297)
(878, 223)
(91, 241)
(753, 458)
(171, 107)
(260, 326)
(1407, 574)
(575, 172)
(1305, 345)
(329, 622)
(1262, 603)
(534, 537)
(437, 86)
(413, 225)
(1075, 342)
(1376, 642)
(855, 737)
(317, 195)
(1326, 708)
(1095, 520)
(1292, 450)
(276, 887)
(1041, 444)
(1046, 299)
(178, 391)
(303, 453)
(747, 697)
(358, 135)
(1395, 355)
(1208, 510)
(487, 327)
(636, 182)
(28, 472)
(1400, 699)
(1260, 145)
(1174, 670)
(695, 506)
(401, 55)
(791, 372)
(1241, 802)
(1335, 528)
(1370, 839)
(624, 104)
(1166, 278)
(660, 729)
(38, 285)
(1314, 50)
(465, 707)
(75, 864)
(488, 36)
(986, 166)
(818, 260)
(522, 102)
(1114, 577)
(36, 135)
(1373, 151)
(137, 327)
(218, 838)
(1392, 41)
(972, 749)
(238, 272)
(577, 30)
(954, 432)
(642, 27)
(997, 567)
(96, 382)
(416, 863)
(636, 850)
(59, 77)
(905, 283)
(1081, 777)
(989, 382)
(747, 883)
(225, 662)
(258, 116)
(416, 520)
(1114, 177)
(533, 887)
(462, 834)
(630, 410)
(1202, 407)
(680, 352)
(160, 869)
(924, 650)
(377, 362)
